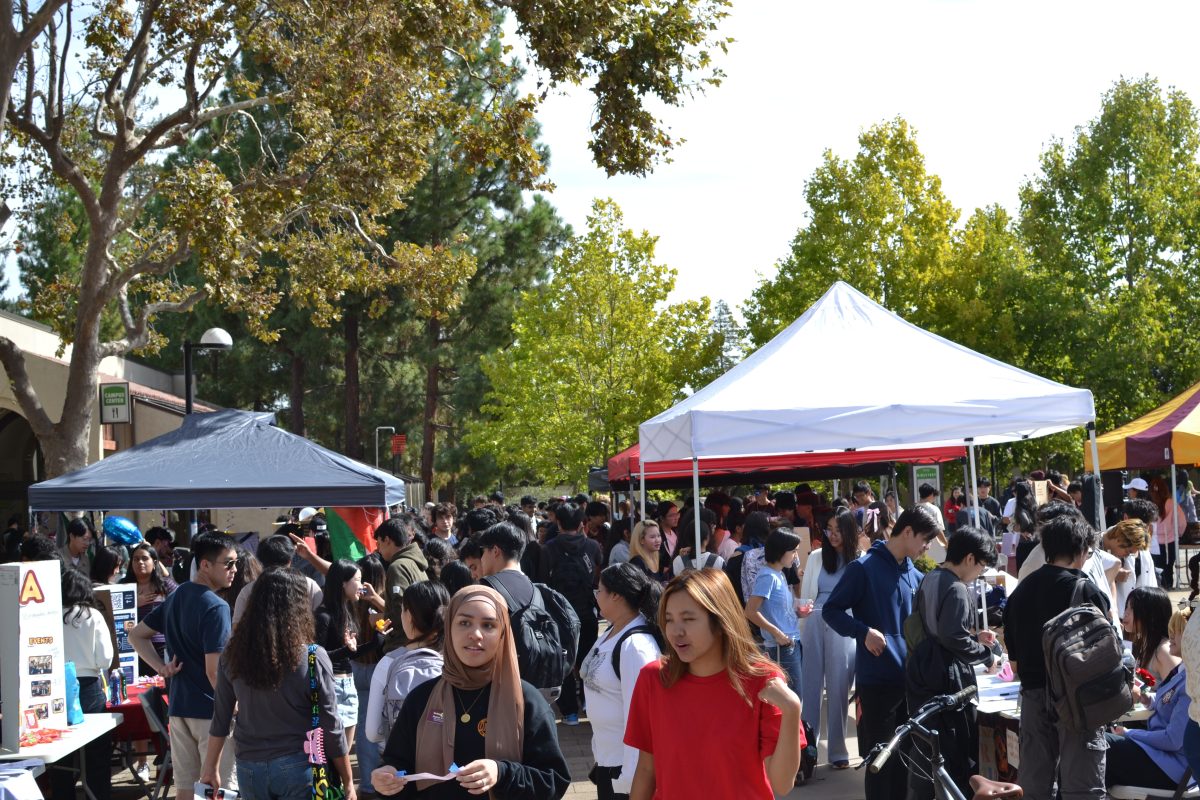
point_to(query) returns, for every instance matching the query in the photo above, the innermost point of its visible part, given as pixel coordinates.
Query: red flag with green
(352, 530)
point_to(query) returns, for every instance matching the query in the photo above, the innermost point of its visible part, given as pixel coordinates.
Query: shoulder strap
(616, 652)
(921, 605)
(1077, 592)
(503, 592)
(313, 694)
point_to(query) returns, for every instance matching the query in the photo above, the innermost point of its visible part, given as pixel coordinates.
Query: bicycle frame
(944, 787)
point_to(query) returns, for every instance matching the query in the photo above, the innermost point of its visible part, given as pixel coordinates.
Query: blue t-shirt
(195, 622)
(777, 606)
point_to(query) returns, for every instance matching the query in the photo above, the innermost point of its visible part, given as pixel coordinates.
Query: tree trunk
(296, 395)
(354, 447)
(433, 329)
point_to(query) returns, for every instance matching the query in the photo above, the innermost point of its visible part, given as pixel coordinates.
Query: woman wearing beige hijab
(479, 725)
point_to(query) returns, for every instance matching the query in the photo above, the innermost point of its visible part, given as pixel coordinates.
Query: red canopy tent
(774, 468)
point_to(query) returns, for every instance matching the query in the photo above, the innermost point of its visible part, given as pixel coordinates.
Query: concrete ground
(826, 783)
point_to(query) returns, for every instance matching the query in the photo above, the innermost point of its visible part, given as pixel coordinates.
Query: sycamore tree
(878, 221)
(596, 351)
(103, 93)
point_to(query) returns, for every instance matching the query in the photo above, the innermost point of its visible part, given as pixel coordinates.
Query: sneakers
(142, 772)
(571, 719)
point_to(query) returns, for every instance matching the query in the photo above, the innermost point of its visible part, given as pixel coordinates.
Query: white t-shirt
(87, 641)
(1143, 576)
(937, 514)
(608, 698)
(1010, 508)
(1096, 567)
(705, 561)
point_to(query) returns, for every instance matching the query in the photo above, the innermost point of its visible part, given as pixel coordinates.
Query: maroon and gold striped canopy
(1170, 434)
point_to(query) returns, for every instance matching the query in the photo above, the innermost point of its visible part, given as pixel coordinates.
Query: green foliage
(182, 208)
(1111, 225)
(1093, 285)
(596, 351)
(879, 222)
(723, 347)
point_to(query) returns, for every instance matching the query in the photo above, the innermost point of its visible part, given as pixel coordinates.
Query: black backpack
(545, 633)
(616, 651)
(573, 574)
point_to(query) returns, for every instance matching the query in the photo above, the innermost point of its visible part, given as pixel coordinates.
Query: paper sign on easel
(33, 683)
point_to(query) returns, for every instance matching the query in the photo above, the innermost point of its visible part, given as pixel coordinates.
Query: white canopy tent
(946, 394)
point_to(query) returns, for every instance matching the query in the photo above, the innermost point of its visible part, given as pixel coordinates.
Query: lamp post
(211, 339)
(377, 430)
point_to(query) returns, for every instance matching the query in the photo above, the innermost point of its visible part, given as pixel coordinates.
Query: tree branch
(62, 70)
(148, 267)
(186, 114)
(13, 359)
(62, 165)
(139, 334)
(39, 20)
(133, 56)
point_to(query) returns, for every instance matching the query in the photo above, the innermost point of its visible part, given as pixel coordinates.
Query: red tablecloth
(135, 727)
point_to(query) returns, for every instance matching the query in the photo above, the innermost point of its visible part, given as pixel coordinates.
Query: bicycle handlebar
(942, 702)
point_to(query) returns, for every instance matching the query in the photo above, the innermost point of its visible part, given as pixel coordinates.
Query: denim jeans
(788, 659)
(369, 756)
(284, 778)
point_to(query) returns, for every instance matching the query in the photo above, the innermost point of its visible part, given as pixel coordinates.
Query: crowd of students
(414, 657)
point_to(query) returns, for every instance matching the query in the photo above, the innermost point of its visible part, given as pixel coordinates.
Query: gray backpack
(1088, 683)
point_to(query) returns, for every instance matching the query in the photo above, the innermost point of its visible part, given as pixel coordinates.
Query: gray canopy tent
(226, 459)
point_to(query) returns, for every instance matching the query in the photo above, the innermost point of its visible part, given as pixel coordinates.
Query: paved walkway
(826, 783)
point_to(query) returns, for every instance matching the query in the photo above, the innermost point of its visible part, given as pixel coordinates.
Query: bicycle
(944, 787)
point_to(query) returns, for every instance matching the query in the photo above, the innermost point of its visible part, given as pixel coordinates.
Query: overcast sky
(985, 84)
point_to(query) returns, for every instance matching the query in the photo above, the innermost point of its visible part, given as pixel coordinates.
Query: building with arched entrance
(156, 407)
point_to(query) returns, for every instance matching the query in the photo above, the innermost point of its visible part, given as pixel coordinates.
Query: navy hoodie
(879, 592)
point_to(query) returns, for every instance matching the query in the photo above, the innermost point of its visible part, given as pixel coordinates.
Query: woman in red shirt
(743, 721)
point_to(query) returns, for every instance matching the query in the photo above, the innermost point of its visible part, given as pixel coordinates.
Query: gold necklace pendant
(465, 717)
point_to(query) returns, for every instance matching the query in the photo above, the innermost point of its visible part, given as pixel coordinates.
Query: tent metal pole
(1175, 511)
(641, 484)
(696, 502)
(974, 495)
(1099, 486)
(895, 488)
(981, 584)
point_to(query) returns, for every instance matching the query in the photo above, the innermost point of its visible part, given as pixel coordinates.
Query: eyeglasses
(231, 563)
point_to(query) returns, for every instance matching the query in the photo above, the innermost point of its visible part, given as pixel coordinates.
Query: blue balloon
(122, 530)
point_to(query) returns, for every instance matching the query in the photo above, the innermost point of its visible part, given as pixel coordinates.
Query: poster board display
(121, 601)
(33, 684)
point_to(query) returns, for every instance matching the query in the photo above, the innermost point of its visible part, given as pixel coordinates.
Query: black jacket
(541, 773)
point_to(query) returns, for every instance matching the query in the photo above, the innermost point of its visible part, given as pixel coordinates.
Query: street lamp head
(215, 339)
